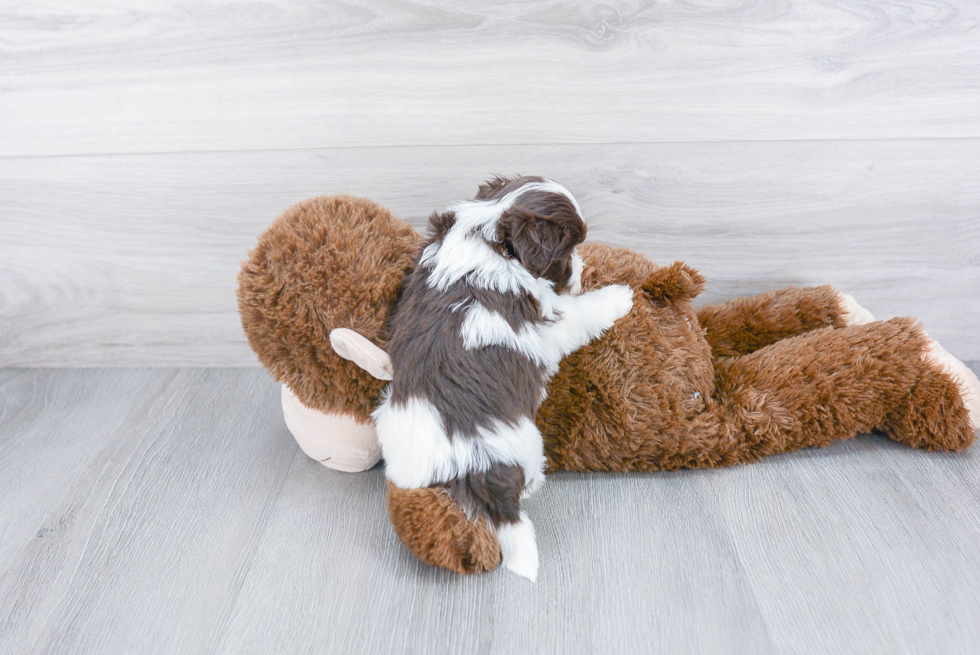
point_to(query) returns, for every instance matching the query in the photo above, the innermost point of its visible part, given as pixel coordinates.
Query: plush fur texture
(652, 393)
(329, 262)
(667, 387)
(744, 325)
(438, 532)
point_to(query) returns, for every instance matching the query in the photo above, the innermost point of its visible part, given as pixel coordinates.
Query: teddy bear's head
(314, 296)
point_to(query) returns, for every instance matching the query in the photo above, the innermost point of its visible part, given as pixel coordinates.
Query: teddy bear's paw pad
(852, 312)
(966, 380)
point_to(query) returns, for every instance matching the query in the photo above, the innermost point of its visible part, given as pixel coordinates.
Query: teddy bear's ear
(672, 283)
(355, 347)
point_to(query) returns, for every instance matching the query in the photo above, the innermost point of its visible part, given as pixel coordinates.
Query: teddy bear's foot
(851, 312)
(965, 379)
(438, 532)
(941, 410)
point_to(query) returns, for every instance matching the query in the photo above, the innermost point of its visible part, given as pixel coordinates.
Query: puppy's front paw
(616, 302)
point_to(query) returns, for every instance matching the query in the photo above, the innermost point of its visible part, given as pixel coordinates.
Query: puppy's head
(540, 228)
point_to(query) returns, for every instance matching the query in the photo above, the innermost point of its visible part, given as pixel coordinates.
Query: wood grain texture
(143, 544)
(131, 260)
(862, 519)
(157, 76)
(33, 467)
(185, 519)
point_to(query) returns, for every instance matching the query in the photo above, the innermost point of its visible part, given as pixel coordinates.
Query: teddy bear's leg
(912, 423)
(831, 384)
(743, 325)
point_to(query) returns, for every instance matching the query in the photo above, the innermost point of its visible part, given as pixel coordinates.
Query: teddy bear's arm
(744, 325)
(353, 346)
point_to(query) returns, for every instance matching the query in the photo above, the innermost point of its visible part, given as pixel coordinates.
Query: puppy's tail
(495, 494)
(469, 524)
(519, 547)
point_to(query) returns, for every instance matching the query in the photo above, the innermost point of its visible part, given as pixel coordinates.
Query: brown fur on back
(470, 389)
(328, 262)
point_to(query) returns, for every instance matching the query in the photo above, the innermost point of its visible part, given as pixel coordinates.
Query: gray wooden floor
(168, 510)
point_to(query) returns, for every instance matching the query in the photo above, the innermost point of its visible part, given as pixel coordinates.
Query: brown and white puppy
(493, 305)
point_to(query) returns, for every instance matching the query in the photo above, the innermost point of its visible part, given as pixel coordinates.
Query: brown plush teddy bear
(667, 387)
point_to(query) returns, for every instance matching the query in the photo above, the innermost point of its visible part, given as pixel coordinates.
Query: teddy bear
(667, 387)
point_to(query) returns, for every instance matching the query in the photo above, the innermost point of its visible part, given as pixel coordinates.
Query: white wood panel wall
(143, 146)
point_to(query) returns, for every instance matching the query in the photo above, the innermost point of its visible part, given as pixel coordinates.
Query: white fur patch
(575, 321)
(473, 257)
(483, 327)
(575, 281)
(464, 250)
(518, 548)
(418, 452)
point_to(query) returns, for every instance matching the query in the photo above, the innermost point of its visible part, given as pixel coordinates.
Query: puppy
(493, 305)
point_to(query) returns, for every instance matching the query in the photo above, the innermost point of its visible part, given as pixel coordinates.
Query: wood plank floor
(169, 511)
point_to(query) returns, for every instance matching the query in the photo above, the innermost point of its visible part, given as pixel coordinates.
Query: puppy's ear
(538, 242)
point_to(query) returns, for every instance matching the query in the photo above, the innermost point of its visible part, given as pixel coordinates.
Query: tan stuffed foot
(851, 312)
(965, 379)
